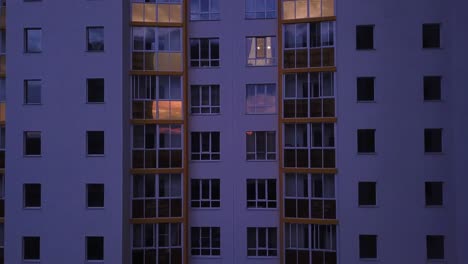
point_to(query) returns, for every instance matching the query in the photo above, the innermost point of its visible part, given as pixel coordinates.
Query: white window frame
(210, 201)
(270, 251)
(258, 12)
(254, 154)
(257, 202)
(210, 15)
(196, 232)
(211, 107)
(260, 90)
(211, 61)
(211, 154)
(173, 238)
(293, 233)
(254, 44)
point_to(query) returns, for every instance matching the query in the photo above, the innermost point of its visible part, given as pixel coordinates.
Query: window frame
(428, 86)
(362, 85)
(270, 250)
(430, 257)
(362, 134)
(205, 200)
(27, 37)
(270, 203)
(24, 248)
(87, 247)
(429, 188)
(264, 89)
(361, 35)
(363, 186)
(89, 45)
(257, 59)
(366, 255)
(255, 154)
(26, 89)
(266, 12)
(213, 109)
(429, 140)
(212, 155)
(213, 62)
(147, 239)
(428, 27)
(212, 15)
(212, 249)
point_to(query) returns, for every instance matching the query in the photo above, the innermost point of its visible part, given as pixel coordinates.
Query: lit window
(95, 38)
(205, 193)
(32, 91)
(295, 9)
(260, 9)
(157, 243)
(204, 52)
(205, 146)
(261, 51)
(205, 99)
(261, 193)
(261, 241)
(161, 11)
(204, 10)
(261, 145)
(32, 40)
(261, 99)
(206, 241)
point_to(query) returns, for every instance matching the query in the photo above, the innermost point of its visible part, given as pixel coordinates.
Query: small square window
(32, 40)
(95, 90)
(94, 248)
(366, 140)
(95, 195)
(432, 140)
(435, 247)
(31, 248)
(368, 246)
(32, 143)
(434, 193)
(95, 144)
(32, 91)
(431, 36)
(432, 88)
(365, 37)
(365, 88)
(32, 195)
(95, 38)
(367, 193)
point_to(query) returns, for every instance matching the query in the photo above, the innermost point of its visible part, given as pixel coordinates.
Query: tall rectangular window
(261, 241)
(433, 140)
(95, 142)
(431, 36)
(204, 52)
(365, 37)
(32, 143)
(95, 90)
(95, 195)
(32, 195)
(366, 140)
(365, 89)
(367, 246)
(261, 145)
(32, 40)
(94, 248)
(434, 193)
(432, 88)
(205, 193)
(260, 9)
(95, 38)
(32, 91)
(206, 241)
(261, 193)
(204, 10)
(205, 99)
(435, 247)
(261, 51)
(205, 146)
(260, 99)
(367, 194)
(31, 248)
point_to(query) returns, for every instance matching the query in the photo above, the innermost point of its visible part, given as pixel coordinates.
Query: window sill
(275, 113)
(205, 114)
(261, 66)
(31, 260)
(366, 153)
(369, 259)
(206, 256)
(263, 18)
(94, 155)
(263, 257)
(95, 103)
(205, 67)
(371, 49)
(206, 208)
(366, 101)
(32, 208)
(432, 48)
(32, 104)
(433, 101)
(436, 261)
(32, 52)
(202, 161)
(95, 51)
(260, 209)
(434, 153)
(434, 206)
(32, 156)
(368, 206)
(95, 208)
(254, 160)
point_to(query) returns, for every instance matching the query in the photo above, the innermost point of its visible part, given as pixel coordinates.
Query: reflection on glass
(301, 9)
(163, 13)
(314, 8)
(288, 9)
(95, 38)
(328, 8)
(150, 13)
(137, 12)
(260, 51)
(33, 40)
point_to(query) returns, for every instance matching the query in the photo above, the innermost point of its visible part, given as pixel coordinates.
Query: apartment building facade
(254, 131)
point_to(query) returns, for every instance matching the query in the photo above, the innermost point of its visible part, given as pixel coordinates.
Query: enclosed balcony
(153, 13)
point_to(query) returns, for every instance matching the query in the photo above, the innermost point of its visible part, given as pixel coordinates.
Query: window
(204, 52)
(260, 99)
(365, 37)
(204, 10)
(435, 247)
(367, 246)
(95, 38)
(157, 146)
(95, 195)
(295, 9)
(261, 145)
(367, 193)
(365, 89)
(433, 140)
(206, 241)
(205, 193)
(261, 241)
(32, 143)
(157, 243)
(205, 146)
(31, 248)
(32, 91)
(95, 145)
(309, 95)
(431, 36)
(310, 196)
(309, 45)
(260, 9)
(434, 193)
(261, 51)
(32, 40)
(95, 90)
(432, 88)
(261, 193)
(94, 248)
(165, 11)
(157, 195)
(205, 99)
(32, 195)
(366, 140)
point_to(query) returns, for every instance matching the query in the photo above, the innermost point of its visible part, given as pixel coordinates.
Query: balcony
(157, 61)
(156, 13)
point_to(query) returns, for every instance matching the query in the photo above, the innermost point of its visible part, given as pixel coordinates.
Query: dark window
(95, 90)
(367, 193)
(32, 40)
(95, 195)
(205, 146)
(31, 248)
(434, 193)
(205, 193)
(435, 247)
(32, 195)
(95, 38)
(204, 52)
(432, 85)
(365, 88)
(95, 142)
(365, 37)
(368, 246)
(366, 140)
(433, 140)
(431, 35)
(32, 91)
(32, 143)
(94, 248)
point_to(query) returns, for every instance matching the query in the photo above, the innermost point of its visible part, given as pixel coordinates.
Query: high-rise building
(251, 131)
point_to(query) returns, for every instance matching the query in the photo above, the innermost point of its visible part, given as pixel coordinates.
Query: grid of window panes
(296, 9)
(261, 193)
(309, 196)
(157, 146)
(260, 98)
(205, 193)
(261, 241)
(163, 11)
(261, 51)
(205, 99)
(309, 45)
(157, 243)
(309, 145)
(261, 145)
(204, 52)
(310, 243)
(157, 97)
(205, 241)
(260, 9)
(205, 146)
(204, 10)
(157, 195)
(308, 95)
(157, 49)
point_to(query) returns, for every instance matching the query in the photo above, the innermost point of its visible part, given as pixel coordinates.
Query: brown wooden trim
(156, 220)
(156, 24)
(309, 120)
(155, 73)
(157, 171)
(309, 170)
(310, 221)
(302, 70)
(306, 20)
(155, 121)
